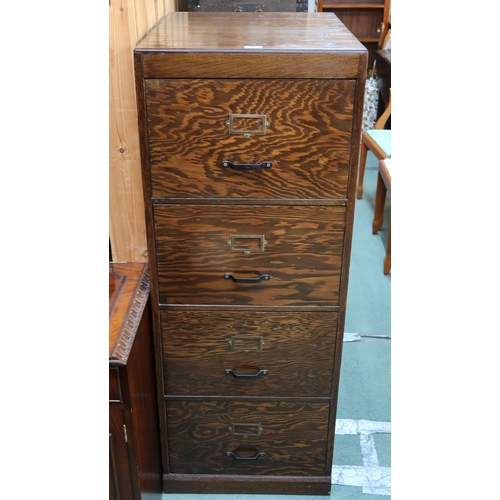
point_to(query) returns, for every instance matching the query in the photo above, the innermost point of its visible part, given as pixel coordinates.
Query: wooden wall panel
(129, 21)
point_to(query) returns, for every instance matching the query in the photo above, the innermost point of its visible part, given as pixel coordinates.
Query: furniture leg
(378, 217)
(362, 164)
(387, 260)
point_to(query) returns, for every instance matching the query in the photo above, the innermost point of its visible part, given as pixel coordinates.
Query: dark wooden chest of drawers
(250, 128)
(134, 449)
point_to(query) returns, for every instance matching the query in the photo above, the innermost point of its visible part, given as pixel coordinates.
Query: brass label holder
(244, 343)
(238, 124)
(234, 241)
(245, 430)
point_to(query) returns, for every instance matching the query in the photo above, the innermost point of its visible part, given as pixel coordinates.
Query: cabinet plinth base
(277, 485)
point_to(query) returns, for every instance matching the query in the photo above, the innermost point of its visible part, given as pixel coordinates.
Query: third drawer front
(249, 255)
(242, 437)
(248, 353)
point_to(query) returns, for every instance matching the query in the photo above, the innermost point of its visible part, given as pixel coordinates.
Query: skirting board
(286, 485)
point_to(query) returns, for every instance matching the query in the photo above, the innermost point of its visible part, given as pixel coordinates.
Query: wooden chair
(378, 141)
(385, 39)
(383, 185)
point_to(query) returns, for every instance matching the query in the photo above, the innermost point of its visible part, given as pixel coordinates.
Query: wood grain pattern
(297, 352)
(306, 73)
(250, 45)
(268, 32)
(344, 280)
(302, 255)
(248, 65)
(127, 303)
(142, 392)
(129, 22)
(268, 485)
(368, 20)
(293, 437)
(133, 408)
(127, 228)
(307, 141)
(122, 482)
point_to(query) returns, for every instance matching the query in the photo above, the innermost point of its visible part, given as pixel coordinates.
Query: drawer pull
(247, 166)
(255, 457)
(229, 276)
(245, 376)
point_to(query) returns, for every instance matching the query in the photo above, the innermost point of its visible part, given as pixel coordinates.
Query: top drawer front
(307, 138)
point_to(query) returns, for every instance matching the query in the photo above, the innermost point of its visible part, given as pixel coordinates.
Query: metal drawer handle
(247, 166)
(259, 454)
(246, 376)
(229, 276)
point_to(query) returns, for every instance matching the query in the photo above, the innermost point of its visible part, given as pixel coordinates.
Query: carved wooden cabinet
(250, 128)
(134, 443)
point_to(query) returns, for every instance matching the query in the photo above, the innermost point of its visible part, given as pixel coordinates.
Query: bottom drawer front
(237, 437)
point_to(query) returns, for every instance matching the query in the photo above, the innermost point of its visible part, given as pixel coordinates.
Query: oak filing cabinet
(250, 128)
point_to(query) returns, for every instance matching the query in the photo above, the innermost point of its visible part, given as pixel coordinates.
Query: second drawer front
(226, 353)
(237, 437)
(201, 258)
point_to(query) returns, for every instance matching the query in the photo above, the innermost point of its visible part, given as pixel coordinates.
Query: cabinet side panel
(346, 259)
(155, 315)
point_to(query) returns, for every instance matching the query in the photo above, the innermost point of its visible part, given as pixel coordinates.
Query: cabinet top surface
(251, 31)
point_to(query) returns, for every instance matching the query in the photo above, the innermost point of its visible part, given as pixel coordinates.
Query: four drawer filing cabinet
(250, 127)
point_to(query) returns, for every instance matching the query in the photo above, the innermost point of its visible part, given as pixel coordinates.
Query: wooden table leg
(362, 163)
(378, 218)
(387, 260)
